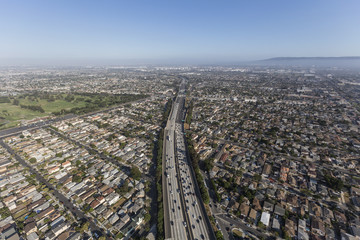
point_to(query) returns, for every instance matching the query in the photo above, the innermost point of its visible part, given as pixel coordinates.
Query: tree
(76, 179)
(124, 188)
(32, 160)
(16, 102)
(119, 235)
(85, 227)
(333, 182)
(257, 177)
(147, 217)
(219, 235)
(135, 173)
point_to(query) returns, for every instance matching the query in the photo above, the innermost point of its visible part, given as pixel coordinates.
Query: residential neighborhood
(280, 151)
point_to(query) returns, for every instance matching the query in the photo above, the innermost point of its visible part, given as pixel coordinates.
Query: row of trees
(99, 101)
(4, 100)
(195, 164)
(189, 113)
(333, 182)
(35, 108)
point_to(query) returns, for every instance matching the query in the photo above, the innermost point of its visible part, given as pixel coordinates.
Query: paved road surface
(183, 206)
(11, 131)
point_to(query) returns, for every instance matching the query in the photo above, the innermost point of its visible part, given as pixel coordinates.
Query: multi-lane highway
(184, 216)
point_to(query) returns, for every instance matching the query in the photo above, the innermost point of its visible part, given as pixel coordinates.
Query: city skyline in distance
(81, 33)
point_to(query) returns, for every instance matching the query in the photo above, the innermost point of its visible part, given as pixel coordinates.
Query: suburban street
(223, 221)
(123, 166)
(65, 201)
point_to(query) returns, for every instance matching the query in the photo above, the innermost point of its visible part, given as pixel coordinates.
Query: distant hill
(311, 58)
(342, 62)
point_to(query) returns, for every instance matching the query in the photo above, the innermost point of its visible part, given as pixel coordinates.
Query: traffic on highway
(181, 203)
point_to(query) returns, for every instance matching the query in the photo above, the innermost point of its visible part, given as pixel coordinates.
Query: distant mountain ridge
(311, 58)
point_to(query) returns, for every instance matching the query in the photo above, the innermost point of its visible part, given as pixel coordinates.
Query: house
(340, 217)
(292, 200)
(244, 209)
(330, 234)
(267, 169)
(75, 236)
(346, 236)
(60, 228)
(328, 213)
(276, 225)
(302, 235)
(94, 204)
(355, 230)
(46, 212)
(290, 227)
(253, 214)
(283, 173)
(268, 206)
(253, 185)
(280, 195)
(66, 164)
(64, 235)
(113, 218)
(9, 233)
(279, 210)
(125, 218)
(53, 169)
(33, 236)
(87, 194)
(100, 209)
(112, 198)
(30, 228)
(265, 218)
(302, 224)
(317, 226)
(107, 214)
(315, 209)
(256, 204)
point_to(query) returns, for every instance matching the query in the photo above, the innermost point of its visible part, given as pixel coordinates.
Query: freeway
(183, 207)
(65, 201)
(173, 203)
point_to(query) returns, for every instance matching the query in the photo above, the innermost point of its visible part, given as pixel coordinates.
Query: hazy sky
(177, 30)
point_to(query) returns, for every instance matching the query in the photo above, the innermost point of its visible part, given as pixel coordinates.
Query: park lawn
(56, 106)
(13, 114)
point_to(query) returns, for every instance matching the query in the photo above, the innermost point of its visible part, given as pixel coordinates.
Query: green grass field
(11, 115)
(57, 104)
